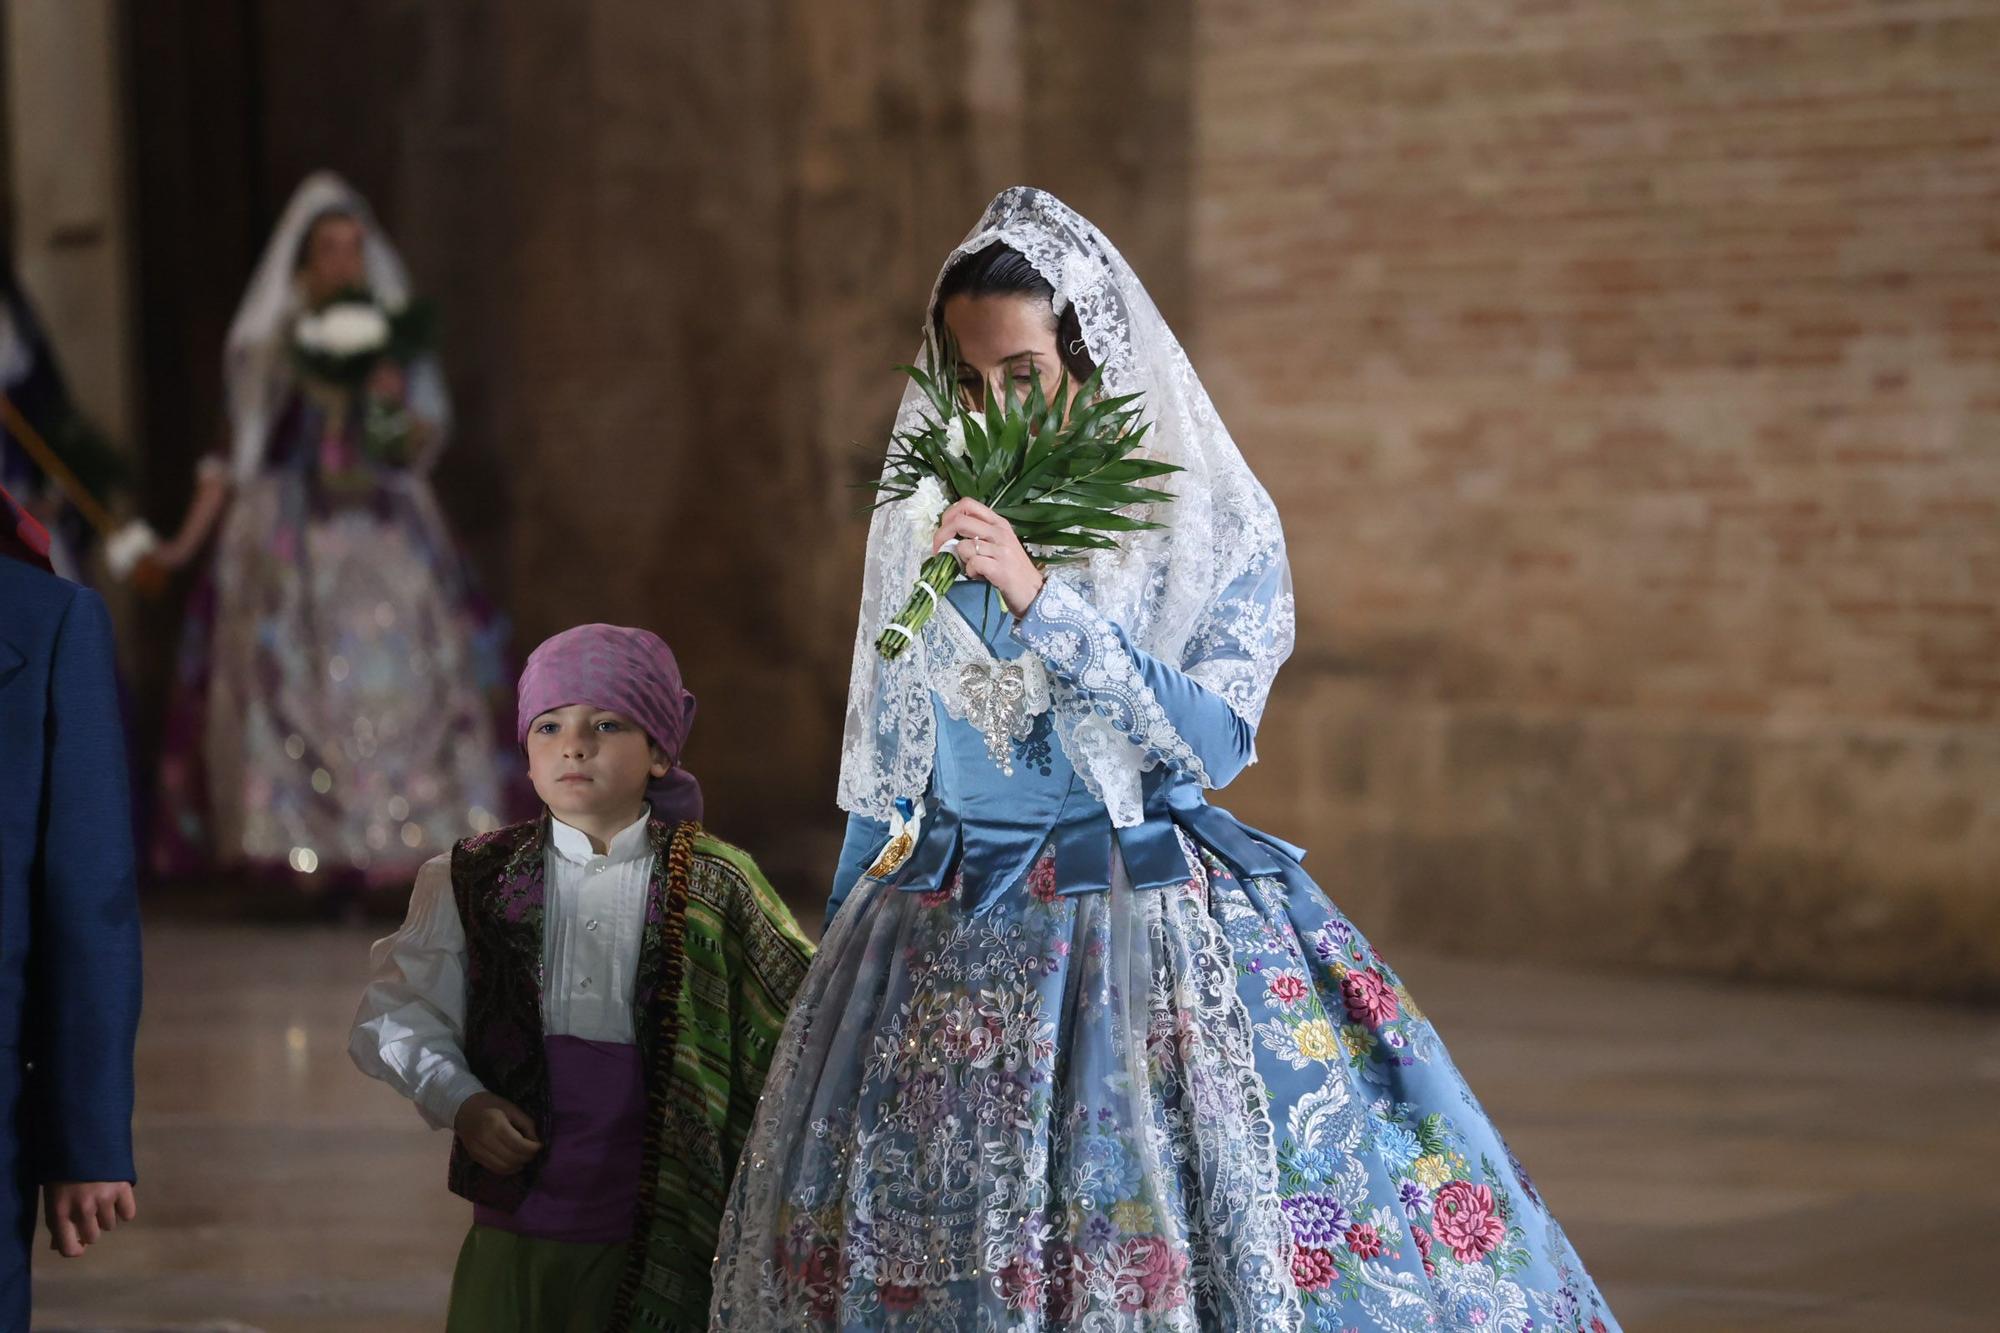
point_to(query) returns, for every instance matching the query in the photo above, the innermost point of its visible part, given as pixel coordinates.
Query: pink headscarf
(629, 671)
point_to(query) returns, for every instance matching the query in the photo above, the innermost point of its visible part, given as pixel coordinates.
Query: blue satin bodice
(988, 826)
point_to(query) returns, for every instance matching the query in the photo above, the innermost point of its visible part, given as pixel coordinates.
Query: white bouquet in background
(344, 329)
(125, 548)
(342, 340)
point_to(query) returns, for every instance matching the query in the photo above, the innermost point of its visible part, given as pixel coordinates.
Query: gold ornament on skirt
(903, 829)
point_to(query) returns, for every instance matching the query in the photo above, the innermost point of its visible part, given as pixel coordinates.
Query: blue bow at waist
(994, 857)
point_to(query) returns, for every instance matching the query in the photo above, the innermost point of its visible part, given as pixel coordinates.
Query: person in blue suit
(69, 917)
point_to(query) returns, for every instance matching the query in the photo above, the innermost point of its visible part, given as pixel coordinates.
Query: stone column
(66, 152)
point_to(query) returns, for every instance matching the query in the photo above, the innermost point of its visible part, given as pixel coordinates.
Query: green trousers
(506, 1283)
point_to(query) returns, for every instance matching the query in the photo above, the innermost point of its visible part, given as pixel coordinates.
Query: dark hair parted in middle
(1001, 270)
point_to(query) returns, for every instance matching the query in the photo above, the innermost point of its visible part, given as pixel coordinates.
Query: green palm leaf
(1060, 466)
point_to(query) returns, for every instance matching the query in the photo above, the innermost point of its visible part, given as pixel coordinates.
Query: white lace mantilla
(1209, 593)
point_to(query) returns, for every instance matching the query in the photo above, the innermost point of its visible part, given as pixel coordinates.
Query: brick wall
(1629, 376)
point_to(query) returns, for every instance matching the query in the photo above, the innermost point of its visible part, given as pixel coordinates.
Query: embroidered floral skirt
(333, 705)
(1205, 1107)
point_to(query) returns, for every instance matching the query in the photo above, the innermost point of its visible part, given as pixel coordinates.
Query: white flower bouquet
(1059, 467)
(343, 339)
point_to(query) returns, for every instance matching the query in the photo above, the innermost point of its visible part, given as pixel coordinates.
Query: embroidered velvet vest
(497, 881)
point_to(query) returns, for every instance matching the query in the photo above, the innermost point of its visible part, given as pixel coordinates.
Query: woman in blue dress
(1080, 1050)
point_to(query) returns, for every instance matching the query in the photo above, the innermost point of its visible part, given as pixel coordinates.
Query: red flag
(21, 537)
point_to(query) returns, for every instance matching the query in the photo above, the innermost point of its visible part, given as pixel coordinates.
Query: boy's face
(588, 762)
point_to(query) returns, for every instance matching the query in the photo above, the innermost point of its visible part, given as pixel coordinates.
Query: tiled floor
(1724, 1157)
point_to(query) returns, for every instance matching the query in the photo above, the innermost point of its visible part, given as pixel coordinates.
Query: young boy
(590, 1001)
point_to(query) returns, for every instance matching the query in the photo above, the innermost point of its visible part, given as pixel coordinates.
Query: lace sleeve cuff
(1089, 656)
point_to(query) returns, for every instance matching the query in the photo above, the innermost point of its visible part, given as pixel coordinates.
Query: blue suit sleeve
(1201, 720)
(865, 838)
(84, 960)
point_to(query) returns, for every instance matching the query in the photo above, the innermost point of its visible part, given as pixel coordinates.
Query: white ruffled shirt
(409, 1031)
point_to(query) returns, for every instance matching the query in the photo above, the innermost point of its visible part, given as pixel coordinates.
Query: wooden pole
(57, 471)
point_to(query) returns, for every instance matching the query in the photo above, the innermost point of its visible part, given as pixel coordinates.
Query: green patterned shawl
(742, 959)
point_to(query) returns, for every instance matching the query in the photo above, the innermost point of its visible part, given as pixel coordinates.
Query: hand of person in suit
(499, 1135)
(80, 1212)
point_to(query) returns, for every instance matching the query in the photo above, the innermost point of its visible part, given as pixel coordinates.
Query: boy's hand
(499, 1135)
(79, 1212)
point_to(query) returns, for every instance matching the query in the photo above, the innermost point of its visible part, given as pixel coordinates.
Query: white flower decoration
(926, 507)
(128, 546)
(348, 328)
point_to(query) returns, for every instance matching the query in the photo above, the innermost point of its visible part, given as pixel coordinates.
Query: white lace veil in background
(256, 366)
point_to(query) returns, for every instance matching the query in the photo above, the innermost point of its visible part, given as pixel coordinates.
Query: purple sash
(588, 1188)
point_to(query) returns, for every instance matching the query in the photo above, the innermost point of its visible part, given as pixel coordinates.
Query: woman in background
(333, 711)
